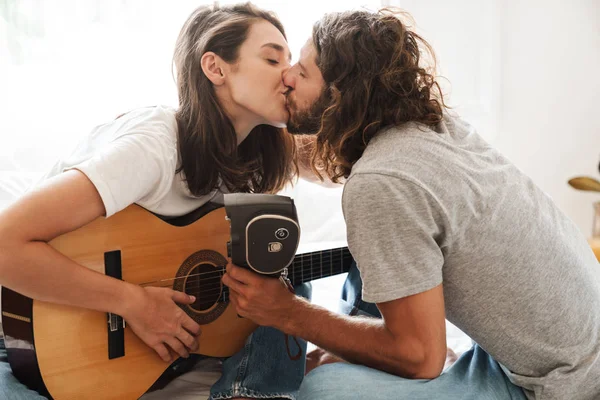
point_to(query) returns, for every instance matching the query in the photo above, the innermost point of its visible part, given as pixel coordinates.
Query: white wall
(527, 75)
(550, 96)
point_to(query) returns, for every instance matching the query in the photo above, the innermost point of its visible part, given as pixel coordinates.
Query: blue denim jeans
(474, 376)
(10, 387)
(262, 369)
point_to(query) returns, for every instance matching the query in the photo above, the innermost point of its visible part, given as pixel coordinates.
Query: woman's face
(255, 80)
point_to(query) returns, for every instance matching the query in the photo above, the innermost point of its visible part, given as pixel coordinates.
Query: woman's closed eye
(272, 62)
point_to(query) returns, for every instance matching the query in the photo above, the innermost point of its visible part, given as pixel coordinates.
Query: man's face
(306, 99)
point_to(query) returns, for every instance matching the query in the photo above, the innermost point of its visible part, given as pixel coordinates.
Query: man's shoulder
(396, 151)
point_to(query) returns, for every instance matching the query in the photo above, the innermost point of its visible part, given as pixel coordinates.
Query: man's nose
(288, 78)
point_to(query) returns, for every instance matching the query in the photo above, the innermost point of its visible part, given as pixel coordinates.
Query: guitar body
(63, 352)
(72, 353)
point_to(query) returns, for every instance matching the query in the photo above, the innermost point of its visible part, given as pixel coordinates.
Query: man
(441, 226)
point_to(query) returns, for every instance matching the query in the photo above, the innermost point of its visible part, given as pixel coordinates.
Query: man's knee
(322, 383)
(304, 290)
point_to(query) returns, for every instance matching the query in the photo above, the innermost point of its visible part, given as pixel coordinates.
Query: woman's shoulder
(156, 124)
(158, 119)
(158, 112)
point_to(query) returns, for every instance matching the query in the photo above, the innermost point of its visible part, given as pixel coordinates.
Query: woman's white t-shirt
(133, 159)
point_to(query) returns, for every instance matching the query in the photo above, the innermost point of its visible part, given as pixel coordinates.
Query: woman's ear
(212, 67)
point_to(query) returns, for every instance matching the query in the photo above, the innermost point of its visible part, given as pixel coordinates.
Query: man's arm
(410, 340)
(305, 145)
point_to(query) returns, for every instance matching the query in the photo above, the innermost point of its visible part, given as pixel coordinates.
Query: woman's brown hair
(208, 148)
(371, 65)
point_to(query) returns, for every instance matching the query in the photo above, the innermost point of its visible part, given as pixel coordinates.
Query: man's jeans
(474, 376)
(262, 369)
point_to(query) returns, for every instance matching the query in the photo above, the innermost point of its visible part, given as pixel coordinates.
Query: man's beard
(307, 122)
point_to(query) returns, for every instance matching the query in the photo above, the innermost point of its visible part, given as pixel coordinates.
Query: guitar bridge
(116, 323)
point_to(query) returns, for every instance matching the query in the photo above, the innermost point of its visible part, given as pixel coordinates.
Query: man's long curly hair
(375, 77)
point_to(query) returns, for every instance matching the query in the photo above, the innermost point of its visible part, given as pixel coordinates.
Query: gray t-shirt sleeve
(394, 229)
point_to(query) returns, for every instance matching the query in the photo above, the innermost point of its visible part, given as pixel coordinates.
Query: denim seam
(245, 392)
(237, 385)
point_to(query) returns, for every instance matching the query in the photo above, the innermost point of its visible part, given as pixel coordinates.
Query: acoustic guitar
(71, 353)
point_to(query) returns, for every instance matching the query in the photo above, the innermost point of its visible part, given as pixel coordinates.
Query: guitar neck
(319, 264)
(307, 267)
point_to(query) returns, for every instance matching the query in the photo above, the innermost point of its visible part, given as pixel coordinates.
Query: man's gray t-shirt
(426, 207)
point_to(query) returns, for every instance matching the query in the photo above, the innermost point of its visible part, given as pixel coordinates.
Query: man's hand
(154, 317)
(263, 300)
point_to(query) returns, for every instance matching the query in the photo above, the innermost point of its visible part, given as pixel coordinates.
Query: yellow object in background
(595, 239)
(595, 243)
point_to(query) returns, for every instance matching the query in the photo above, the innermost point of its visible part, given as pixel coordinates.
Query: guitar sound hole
(204, 282)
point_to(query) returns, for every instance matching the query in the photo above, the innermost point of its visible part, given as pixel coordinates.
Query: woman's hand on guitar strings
(263, 300)
(158, 321)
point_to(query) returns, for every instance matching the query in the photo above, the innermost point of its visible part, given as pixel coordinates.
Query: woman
(226, 135)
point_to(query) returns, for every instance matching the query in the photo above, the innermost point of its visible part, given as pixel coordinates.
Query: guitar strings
(293, 266)
(311, 272)
(204, 290)
(308, 274)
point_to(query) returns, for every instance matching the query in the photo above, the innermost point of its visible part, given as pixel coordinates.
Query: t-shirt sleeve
(138, 164)
(395, 229)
